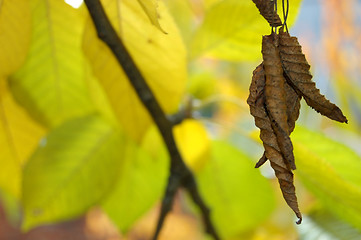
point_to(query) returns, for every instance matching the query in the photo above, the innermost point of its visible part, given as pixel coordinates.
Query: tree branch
(180, 175)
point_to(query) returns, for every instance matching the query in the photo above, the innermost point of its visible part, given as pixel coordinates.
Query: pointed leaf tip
(150, 8)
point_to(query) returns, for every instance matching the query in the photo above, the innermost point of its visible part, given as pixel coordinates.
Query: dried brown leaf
(293, 107)
(293, 111)
(257, 101)
(266, 9)
(261, 161)
(297, 74)
(276, 96)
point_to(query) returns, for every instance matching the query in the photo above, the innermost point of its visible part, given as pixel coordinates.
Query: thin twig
(180, 175)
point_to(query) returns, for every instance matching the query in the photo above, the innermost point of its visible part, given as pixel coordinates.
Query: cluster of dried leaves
(277, 86)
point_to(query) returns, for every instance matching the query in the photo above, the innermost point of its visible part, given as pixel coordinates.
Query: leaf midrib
(53, 55)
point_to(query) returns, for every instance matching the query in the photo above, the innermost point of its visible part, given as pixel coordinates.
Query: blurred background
(330, 34)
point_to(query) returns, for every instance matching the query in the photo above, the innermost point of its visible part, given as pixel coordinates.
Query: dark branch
(183, 113)
(180, 175)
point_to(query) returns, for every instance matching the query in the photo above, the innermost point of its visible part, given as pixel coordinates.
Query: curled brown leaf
(297, 74)
(266, 9)
(257, 101)
(275, 93)
(293, 112)
(293, 107)
(276, 96)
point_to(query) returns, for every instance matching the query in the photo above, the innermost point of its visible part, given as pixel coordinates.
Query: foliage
(75, 135)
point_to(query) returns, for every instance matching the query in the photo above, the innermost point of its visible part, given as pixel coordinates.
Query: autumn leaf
(276, 97)
(256, 97)
(297, 73)
(293, 107)
(256, 101)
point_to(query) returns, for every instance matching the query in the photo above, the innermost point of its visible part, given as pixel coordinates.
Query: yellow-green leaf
(145, 170)
(19, 136)
(74, 169)
(232, 30)
(141, 183)
(150, 8)
(331, 171)
(240, 198)
(51, 84)
(183, 15)
(15, 28)
(160, 57)
(209, 3)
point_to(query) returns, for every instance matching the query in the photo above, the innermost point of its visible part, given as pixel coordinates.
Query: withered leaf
(297, 74)
(276, 96)
(261, 161)
(256, 101)
(293, 111)
(293, 107)
(266, 9)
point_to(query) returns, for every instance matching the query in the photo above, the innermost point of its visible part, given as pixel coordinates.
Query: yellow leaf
(14, 34)
(209, 3)
(160, 57)
(150, 8)
(193, 142)
(19, 136)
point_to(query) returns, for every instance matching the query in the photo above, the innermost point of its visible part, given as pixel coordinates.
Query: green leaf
(323, 225)
(331, 171)
(142, 181)
(150, 8)
(74, 168)
(239, 197)
(232, 30)
(51, 84)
